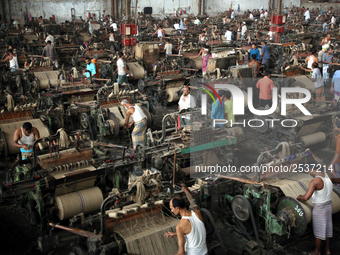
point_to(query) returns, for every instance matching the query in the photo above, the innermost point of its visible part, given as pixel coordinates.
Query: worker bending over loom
(190, 231)
(320, 189)
(24, 138)
(139, 119)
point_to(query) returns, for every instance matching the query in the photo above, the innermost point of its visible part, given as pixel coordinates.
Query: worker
(190, 231)
(176, 25)
(168, 47)
(180, 47)
(94, 61)
(90, 67)
(50, 52)
(243, 31)
(140, 121)
(266, 14)
(50, 37)
(265, 85)
(265, 54)
(201, 38)
(254, 51)
(320, 190)
(307, 15)
(251, 16)
(217, 109)
(228, 36)
(228, 108)
(27, 64)
(262, 15)
(312, 58)
(186, 100)
(114, 27)
(320, 55)
(15, 24)
(24, 138)
(255, 66)
(197, 21)
(333, 20)
(41, 21)
(111, 36)
(232, 15)
(326, 42)
(4, 26)
(160, 32)
(121, 69)
(335, 163)
(327, 60)
(324, 26)
(205, 54)
(12, 58)
(335, 87)
(318, 84)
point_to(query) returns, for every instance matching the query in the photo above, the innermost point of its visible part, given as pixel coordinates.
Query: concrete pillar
(199, 6)
(128, 11)
(2, 10)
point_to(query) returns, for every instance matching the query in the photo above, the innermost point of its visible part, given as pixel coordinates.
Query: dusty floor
(18, 236)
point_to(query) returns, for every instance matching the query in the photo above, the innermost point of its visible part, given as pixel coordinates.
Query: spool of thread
(172, 95)
(315, 138)
(83, 201)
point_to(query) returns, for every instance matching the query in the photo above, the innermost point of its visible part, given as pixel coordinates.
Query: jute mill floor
(18, 237)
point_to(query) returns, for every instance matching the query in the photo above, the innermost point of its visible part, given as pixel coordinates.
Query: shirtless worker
(190, 231)
(24, 138)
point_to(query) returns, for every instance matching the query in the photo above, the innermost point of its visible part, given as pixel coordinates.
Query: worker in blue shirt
(217, 110)
(324, 29)
(255, 51)
(90, 67)
(265, 54)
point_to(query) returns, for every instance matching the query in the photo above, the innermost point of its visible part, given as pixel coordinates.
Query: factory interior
(193, 127)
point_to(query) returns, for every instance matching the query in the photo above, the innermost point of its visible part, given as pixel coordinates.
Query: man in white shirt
(228, 36)
(185, 102)
(197, 21)
(244, 30)
(176, 25)
(262, 14)
(114, 26)
(307, 15)
(50, 37)
(232, 16)
(266, 14)
(15, 24)
(251, 16)
(121, 69)
(168, 47)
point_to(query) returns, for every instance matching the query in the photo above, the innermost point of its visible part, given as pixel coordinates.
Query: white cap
(124, 101)
(256, 20)
(185, 18)
(181, 42)
(244, 22)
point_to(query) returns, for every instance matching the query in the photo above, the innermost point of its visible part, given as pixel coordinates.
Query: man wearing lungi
(24, 138)
(335, 164)
(139, 119)
(320, 189)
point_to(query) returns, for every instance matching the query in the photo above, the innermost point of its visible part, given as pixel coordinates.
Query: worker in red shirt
(266, 86)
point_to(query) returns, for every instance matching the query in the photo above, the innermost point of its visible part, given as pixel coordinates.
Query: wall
(290, 3)
(60, 8)
(215, 6)
(166, 7)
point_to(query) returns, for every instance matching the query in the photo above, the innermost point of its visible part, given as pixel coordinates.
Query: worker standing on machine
(24, 138)
(140, 121)
(320, 189)
(190, 231)
(160, 33)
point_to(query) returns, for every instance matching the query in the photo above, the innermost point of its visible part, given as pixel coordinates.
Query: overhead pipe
(199, 7)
